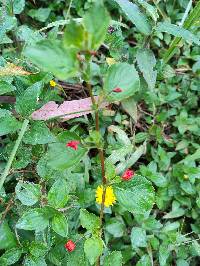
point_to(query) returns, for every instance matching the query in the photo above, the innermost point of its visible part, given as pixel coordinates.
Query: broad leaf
(113, 259)
(134, 14)
(96, 22)
(178, 32)
(35, 219)
(146, 62)
(60, 225)
(6, 87)
(7, 237)
(130, 106)
(138, 237)
(8, 123)
(123, 76)
(28, 101)
(11, 256)
(89, 220)
(93, 248)
(74, 35)
(38, 133)
(60, 157)
(58, 194)
(136, 195)
(52, 57)
(28, 193)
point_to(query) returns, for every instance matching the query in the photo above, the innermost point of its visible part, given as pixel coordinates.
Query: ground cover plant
(99, 132)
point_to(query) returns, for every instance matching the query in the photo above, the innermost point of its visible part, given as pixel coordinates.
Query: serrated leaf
(96, 22)
(113, 259)
(6, 87)
(134, 14)
(130, 106)
(178, 32)
(7, 237)
(58, 194)
(32, 261)
(60, 157)
(28, 101)
(123, 76)
(35, 219)
(52, 57)
(60, 225)
(28, 193)
(38, 133)
(93, 248)
(12, 255)
(136, 195)
(146, 62)
(89, 220)
(8, 123)
(38, 249)
(74, 35)
(125, 164)
(138, 237)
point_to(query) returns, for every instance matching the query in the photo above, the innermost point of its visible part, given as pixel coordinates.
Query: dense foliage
(99, 131)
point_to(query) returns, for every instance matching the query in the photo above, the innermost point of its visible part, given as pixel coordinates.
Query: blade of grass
(189, 22)
(13, 153)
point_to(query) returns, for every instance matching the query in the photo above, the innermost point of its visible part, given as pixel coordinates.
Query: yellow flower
(186, 177)
(52, 83)
(109, 196)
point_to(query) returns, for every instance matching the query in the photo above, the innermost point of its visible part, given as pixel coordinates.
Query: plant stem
(13, 153)
(102, 160)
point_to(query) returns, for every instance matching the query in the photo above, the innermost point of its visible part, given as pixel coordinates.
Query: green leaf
(60, 157)
(144, 261)
(178, 32)
(38, 249)
(38, 133)
(74, 35)
(28, 101)
(134, 14)
(146, 62)
(136, 195)
(93, 248)
(52, 57)
(125, 164)
(163, 254)
(89, 220)
(40, 14)
(6, 87)
(35, 219)
(113, 259)
(28, 193)
(60, 225)
(96, 22)
(7, 238)
(130, 106)
(115, 227)
(8, 123)
(58, 194)
(123, 76)
(12, 255)
(18, 6)
(32, 261)
(151, 10)
(138, 237)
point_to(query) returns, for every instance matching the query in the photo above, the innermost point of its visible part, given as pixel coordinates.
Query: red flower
(73, 144)
(128, 174)
(70, 245)
(117, 90)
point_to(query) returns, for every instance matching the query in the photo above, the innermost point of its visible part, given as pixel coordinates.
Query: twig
(13, 153)
(8, 207)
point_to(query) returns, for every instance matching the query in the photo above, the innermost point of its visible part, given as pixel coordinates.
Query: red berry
(128, 174)
(70, 245)
(73, 144)
(117, 90)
